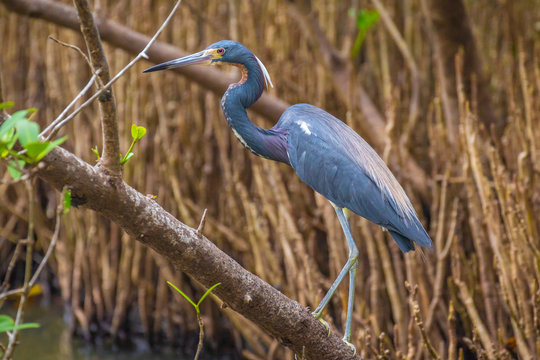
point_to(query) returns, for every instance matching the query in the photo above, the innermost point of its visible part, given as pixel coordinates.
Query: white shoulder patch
(265, 73)
(304, 126)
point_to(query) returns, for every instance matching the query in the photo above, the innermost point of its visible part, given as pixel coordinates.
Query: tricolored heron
(325, 153)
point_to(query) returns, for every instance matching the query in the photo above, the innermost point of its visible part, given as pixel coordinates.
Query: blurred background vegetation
(470, 127)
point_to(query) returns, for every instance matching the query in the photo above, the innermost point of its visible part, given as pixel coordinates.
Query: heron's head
(224, 51)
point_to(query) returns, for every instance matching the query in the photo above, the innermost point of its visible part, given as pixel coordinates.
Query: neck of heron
(268, 143)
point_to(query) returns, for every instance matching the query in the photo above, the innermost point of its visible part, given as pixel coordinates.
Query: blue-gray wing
(336, 162)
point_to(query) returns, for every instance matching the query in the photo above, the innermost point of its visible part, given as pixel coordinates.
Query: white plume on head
(266, 75)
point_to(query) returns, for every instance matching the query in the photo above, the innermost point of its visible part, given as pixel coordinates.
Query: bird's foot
(319, 317)
(353, 348)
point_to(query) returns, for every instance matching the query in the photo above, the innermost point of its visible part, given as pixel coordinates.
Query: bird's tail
(405, 244)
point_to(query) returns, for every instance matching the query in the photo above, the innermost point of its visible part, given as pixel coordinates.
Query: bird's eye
(221, 51)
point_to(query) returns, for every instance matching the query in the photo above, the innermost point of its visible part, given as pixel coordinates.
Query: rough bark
(145, 220)
(452, 31)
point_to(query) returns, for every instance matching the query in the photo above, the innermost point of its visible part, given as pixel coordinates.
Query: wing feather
(336, 162)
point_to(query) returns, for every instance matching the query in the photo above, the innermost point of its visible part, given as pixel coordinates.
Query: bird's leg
(350, 304)
(352, 278)
(350, 267)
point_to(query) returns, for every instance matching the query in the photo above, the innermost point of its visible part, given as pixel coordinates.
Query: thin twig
(76, 48)
(3, 113)
(418, 320)
(201, 336)
(203, 221)
(27, 273)
(9, 293)
(51, 246)
(58, 120)
(142, 54)
(11, 265)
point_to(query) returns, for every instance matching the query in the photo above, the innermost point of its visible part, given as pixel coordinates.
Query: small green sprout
(137, 132)
(196, 306)
(199, 319)
(365, 20)
(96, 152)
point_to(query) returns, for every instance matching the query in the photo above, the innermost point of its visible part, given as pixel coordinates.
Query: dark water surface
(52, 341)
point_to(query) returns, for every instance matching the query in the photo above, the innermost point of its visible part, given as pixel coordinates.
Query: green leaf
(206, 293)
(34, 148)
(141, 131)
(6, 105)
(37, 150)
(7, 142)
(12, 121)
(26, 326)
(366, 19)
(137, 132)
(15, 168)
(184, 295)
(7, 136)
(28, 132)
(67, 201)
(8, 324)
(13, 139)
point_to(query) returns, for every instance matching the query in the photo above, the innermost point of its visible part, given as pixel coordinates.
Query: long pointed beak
(202, 57)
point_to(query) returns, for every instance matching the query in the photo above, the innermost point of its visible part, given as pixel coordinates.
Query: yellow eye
(221, 51)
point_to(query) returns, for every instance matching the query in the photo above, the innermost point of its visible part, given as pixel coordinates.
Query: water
(52, 341)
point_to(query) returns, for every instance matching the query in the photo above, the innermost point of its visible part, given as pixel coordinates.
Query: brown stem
(201, 336)
(5, 284)
(27, 274)
(110, 159)
(3, 113)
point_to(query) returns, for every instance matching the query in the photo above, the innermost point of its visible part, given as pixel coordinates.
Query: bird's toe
(319, 317)
(353, 348)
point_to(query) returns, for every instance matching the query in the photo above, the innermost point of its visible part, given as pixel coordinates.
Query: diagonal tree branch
(145, 220)
(110, 159)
